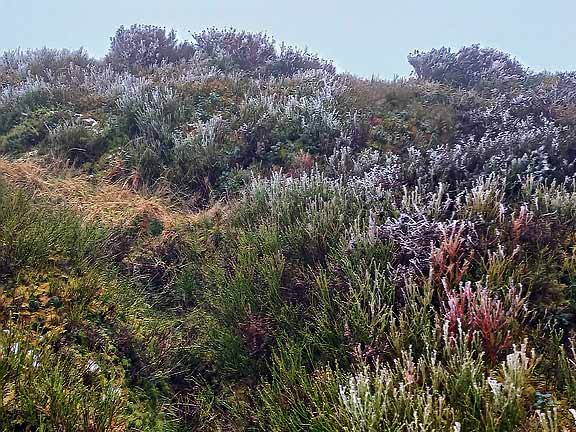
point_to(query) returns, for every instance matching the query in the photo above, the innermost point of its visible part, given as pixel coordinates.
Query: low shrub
(76, 143)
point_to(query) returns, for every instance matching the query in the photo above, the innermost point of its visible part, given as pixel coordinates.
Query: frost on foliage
(411, 393)
(268, 120)
(145, 45)
(520, 147)
(469, 67)
(478, 311)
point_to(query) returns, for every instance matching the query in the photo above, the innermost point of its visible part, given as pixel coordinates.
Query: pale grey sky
(363, 37)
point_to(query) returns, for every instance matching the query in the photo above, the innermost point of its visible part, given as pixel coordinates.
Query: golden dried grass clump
(94, 200)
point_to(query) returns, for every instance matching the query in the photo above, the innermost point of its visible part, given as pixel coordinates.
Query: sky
(364, 37)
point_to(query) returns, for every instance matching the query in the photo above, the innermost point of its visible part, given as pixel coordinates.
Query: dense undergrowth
(337, 254)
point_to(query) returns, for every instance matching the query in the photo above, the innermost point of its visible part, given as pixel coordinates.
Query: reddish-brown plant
(481, 312)
(450, 261)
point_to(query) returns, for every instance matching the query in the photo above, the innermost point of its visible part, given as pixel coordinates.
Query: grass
(184, 247)
(71, 324)
(94, 199)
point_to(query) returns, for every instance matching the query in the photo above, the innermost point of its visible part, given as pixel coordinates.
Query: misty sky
(364, 37)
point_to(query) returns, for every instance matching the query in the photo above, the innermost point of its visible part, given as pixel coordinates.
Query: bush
(426, 394)
(76, 142)
(232, 50)
(22, 102)
(291, 60)
(142, 46)
(468, 68)
(494, 319)
(71, 353)
(29, 133)
(313, 251)
(44, 63)
(202, 157)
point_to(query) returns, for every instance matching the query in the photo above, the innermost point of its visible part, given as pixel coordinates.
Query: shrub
(231, 50)
(145, 158)
(310, 211)
(141, 46)
(494, 319)
(295, 398)
(20, 102)
(200, 158)
(44, 63)
(30, 236)
(275, 127)
(314, 236)
(290, 61)
(29, 133)
(512, 148)
(428, 394)
(76, 142)
(469, 67)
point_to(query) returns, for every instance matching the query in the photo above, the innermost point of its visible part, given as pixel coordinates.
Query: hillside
(227, 234)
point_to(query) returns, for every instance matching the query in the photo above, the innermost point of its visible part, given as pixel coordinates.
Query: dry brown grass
(95, 200)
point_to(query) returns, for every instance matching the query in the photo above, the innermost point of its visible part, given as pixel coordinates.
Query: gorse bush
(283, 247)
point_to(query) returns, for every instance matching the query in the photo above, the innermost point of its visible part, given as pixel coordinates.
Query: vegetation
(226, 234)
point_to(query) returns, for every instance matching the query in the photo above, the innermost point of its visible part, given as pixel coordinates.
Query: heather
(225, 233)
